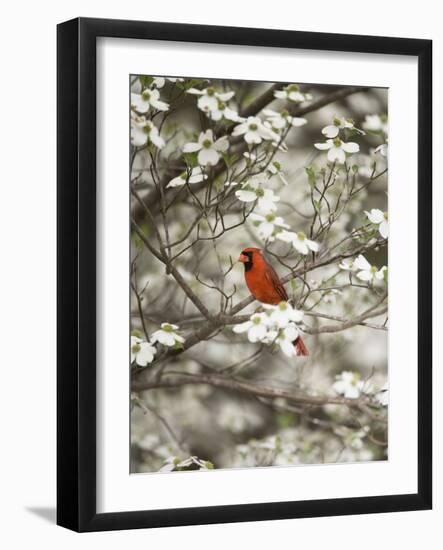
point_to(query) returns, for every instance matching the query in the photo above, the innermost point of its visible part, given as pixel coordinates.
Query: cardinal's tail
(300, 347)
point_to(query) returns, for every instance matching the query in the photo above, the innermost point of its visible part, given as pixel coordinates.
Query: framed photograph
(244, 274)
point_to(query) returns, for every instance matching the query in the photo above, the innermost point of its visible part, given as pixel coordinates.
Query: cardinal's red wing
(274, 280)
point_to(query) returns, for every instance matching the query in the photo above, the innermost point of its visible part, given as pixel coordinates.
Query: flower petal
(350, 147)
(384, 229)
(375, 215)
(298, 121)
(207, 103)
(240, 129)
(287, 347)
(221, 144)
(362, 263)
(286, 236)
(257, 332)
(195, 91)
(323, 146)
(246, 196)
(336, 154)
(312, 245)
(191, 147)
(330, 131)
(226, 96)
(266, 229)
(253, 138)
(364, 275)
(208, 156)
(146, 354)
(242, 327)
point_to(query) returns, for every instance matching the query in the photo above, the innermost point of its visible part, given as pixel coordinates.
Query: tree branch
(171, 380)
(175, 273)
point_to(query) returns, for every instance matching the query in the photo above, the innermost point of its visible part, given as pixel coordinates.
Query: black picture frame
(76, 265)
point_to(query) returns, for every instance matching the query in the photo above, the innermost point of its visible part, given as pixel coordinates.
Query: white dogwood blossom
(283, 119)
(208, 149)
(253, 191)
(337, 149)
(367, 272)
(210, 99)
(347, 265)
(214, 104)
(274, 169)
(376, 123)
(380, 219)
(223, 111)
(149, 98)
(339, 123)
(144, 131)
(195, 175)
(254, 131)
(142, 352)
(160, 81)
(275, 326)
(382, 149)
(299, 241)
(167, 335)
(256, 327)
(265, 198)
(283, 314)
(292, 93)
(268, 225)
(348, 384)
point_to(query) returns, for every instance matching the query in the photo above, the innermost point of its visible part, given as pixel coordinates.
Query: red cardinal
(265, 285)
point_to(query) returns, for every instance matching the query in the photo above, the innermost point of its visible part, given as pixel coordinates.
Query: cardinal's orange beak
(243, 258)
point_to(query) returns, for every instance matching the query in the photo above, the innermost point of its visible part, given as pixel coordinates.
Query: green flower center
(385, 215)
(337, 122)
(167, 328)
(210, 92)
(293, 88)
(337, 142)
(256, 320)
(282, 306)
(253, 127)
(260, 193)
(301, 236)
(147, 129)
(136, 348)
(207, 144)
(270, 217)
(284, 113)
(277, 165)
(146, 95)
(374, 269)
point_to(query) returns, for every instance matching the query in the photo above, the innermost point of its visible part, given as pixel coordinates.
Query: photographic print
(258, 273)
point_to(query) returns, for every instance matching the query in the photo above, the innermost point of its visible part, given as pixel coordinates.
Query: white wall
(27, 218)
